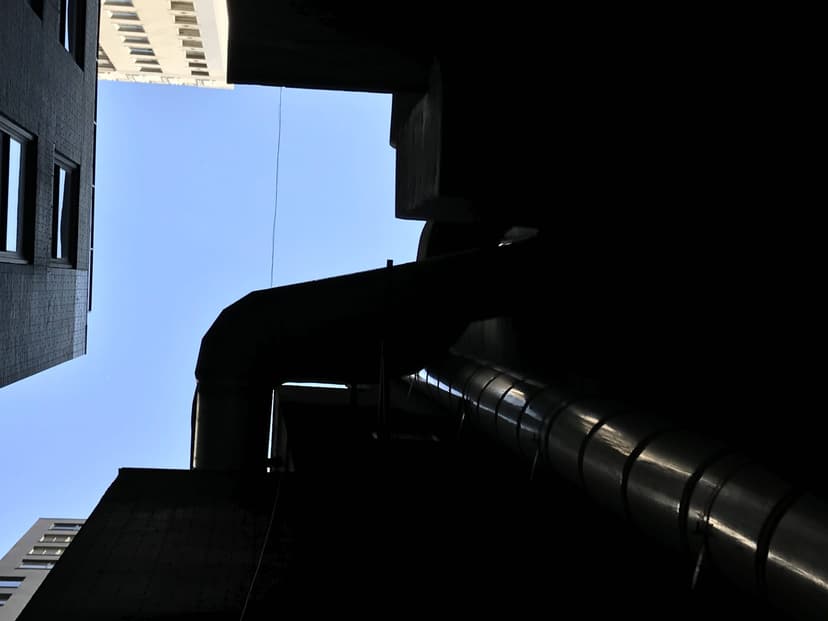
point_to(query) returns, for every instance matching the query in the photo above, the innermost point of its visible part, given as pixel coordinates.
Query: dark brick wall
(45, 91)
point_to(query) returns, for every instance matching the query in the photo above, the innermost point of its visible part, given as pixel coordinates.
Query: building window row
(73, 526)
(47, 550)
(190, 36)
(17, 199)
(140, 48)
(4, 597)
(51, 538)
(27, 564)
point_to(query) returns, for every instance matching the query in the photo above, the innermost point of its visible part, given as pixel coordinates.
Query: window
(192, 54)
(145, 61)
(182, 6)
(131, 15)
(10, 582)
(14, 189)
(65, 526)
(200, 73)
(118, 3)
(71, 33)
(141, 51)
(36, 565)
(191, 43)
(64, 222)
(186, 19)
(151, 70)
(143, 40)
(189, 32)
(103, 60)
(47, 550)
(198, 65)
(47, 538)
(129, 28)
(4, 597)
(37, 7)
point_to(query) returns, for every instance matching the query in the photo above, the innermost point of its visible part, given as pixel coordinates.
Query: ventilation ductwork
(693, 495)
(338, 330)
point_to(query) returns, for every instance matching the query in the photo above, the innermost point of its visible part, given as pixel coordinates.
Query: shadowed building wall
(47, 127)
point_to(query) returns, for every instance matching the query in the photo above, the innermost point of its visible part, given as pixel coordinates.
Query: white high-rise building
(164, 42)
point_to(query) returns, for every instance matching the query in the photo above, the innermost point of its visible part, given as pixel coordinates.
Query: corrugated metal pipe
(690, 493)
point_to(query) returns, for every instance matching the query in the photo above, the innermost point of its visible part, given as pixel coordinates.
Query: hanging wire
(264, 547)
(276, 198)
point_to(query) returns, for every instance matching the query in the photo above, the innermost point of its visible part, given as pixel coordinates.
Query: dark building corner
(46, 176)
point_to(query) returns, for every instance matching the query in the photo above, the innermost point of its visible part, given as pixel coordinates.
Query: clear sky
(185, 195)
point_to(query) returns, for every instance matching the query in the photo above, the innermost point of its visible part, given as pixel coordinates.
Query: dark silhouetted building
(47, 148)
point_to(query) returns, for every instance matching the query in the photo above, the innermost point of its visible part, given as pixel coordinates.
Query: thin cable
(264, 547)
(276, 197)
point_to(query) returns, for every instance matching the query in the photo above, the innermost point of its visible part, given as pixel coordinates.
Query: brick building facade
(47, 130)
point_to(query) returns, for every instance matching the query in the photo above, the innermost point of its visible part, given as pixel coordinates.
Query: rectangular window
(71, 27)
(186, 19)
(10, 582)
(189, 32)
(4, 597)
(191, 43)
(145, 61)
(118, 3)
(37, 7)
(130, 15)
(129, 28)
(64, 216)
(141, 51)
(65, 526)
(47, 538)
(36, 565)
(15, 145)
(192, 54)
(200, 73)
(142, 40)
(65, 23)
(47, 550)
(151, 70)
(182, 6)
(195, 65)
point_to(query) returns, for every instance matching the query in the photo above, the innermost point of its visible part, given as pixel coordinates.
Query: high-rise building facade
(164, 42)
(24, 568)
(47, 148)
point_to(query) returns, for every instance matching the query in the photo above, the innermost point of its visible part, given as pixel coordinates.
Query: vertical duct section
(224, 442)
(691, 494)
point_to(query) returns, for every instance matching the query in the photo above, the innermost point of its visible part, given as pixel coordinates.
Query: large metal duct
(684, 490)
(340, 330)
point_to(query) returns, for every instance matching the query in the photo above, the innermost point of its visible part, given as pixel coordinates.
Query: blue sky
(185, 194)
